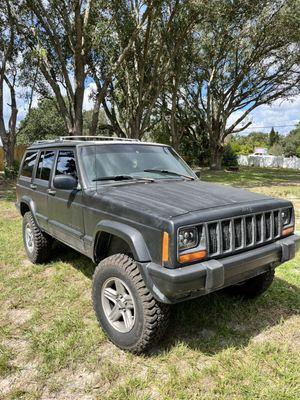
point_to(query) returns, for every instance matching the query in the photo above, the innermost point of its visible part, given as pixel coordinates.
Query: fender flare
(29, 202)
(130, 235)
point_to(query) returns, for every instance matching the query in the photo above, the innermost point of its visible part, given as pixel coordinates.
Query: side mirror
(65, 182)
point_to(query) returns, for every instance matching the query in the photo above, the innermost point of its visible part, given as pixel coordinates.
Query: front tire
(252, 287)
(127, 312)
(37, 243)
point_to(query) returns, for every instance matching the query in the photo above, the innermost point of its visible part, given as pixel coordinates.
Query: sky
(282, 115)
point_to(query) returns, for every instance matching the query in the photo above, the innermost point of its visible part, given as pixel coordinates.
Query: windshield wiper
(122, 178)
(165, 171)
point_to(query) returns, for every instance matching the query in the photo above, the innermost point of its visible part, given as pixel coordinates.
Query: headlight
(286, 216)
(187, 238)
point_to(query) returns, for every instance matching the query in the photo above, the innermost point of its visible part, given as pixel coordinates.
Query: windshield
(131, 160)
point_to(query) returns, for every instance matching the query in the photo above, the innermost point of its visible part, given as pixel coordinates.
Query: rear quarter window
(28, 164)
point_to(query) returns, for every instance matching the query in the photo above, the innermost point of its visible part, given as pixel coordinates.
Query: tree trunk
(111, 115)
(95, 115)
(173, 122)
(9, 138)
(135, 127)
(173, 129)
(216, 152)
(79, 70)
(78, 100)
(9, 157)
(79, 95)
(175, 143)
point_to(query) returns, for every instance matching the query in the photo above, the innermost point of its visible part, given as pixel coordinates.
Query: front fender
(130, 235)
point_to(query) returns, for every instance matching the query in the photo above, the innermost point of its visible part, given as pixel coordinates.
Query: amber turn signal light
(165, 247)
(287, 231)
(189, 257)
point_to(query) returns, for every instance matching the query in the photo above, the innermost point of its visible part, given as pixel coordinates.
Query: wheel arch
(27, 204)
(107, 229)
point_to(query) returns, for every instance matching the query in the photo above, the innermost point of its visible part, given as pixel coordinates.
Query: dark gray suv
(158, 234)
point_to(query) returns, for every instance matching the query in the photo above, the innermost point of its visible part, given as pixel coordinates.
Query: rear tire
(37, 243)
(253, 287)
(127, 312)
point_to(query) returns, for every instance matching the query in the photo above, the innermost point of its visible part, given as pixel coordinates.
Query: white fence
(269, 161)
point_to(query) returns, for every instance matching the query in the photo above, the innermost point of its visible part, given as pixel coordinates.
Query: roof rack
(45, 141)
(86, 138)
(92, 138)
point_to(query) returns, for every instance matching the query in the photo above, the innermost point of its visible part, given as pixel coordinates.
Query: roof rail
(92, 138)
(45, 141)
(85, 138)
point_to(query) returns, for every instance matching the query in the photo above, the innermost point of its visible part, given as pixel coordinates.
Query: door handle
(33, 186)
(52, 192)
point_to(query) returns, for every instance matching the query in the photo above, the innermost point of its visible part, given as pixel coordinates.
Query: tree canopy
(43, 122)
(277, 145)
(188, 71)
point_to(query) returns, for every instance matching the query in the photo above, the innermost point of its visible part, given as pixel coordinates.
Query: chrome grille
(238, 233)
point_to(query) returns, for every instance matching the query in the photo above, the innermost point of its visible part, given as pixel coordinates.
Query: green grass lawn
(216, 348)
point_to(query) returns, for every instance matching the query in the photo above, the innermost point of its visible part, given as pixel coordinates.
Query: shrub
(230, 158)
(11, 173)
(276, 150)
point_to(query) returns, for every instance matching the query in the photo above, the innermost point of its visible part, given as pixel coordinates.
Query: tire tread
(156, 315)
(42, 242)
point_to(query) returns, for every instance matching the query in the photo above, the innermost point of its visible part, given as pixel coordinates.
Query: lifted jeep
(158, 234)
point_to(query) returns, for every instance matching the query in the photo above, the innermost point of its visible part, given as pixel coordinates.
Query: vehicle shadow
(217, 321)
(212, 323)
(77, 260)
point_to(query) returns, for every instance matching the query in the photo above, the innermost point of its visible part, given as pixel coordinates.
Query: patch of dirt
(73, 384)
(108, 350)
(11, 214)
(19, 316)
(207, 383)
(19, 348)
(23, 378)
(26, 263)
(48, 272)
(22, 270)
(24, 373)
(286, 333)
(289, 183)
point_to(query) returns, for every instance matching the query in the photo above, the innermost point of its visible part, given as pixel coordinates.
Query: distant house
(260, 151)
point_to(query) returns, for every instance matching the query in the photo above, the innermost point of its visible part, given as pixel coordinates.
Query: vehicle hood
(173, 198)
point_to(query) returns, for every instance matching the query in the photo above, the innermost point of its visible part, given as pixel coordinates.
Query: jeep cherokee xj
(157, 233)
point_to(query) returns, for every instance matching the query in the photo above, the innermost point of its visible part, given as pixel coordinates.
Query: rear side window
(45, 165)
(66, 163)
(28, 164)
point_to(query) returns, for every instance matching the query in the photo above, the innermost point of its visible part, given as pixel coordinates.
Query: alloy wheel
(118, 304)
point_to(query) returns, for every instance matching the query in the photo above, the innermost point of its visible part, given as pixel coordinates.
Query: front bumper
(175, 285)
